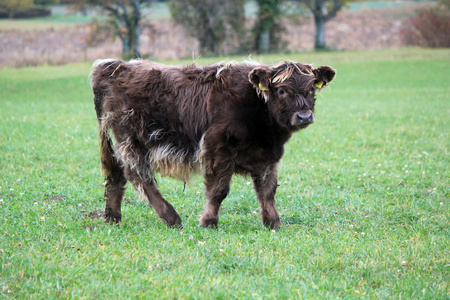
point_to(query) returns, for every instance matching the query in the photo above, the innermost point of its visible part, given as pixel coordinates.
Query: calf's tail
(100, 80)
(108, 160)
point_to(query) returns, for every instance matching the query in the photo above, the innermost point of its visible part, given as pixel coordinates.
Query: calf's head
(289, 90)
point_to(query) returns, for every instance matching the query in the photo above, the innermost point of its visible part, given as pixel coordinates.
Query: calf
(216, 120)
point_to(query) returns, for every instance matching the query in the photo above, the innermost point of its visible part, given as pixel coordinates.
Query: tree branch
(337, 6)
(107, 7)
(309, 5)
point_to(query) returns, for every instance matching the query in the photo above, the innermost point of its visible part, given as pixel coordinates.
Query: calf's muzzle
(305, 117)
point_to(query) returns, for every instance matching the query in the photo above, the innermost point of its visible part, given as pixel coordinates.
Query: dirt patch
(96, 214)
(55, 198)
(364, 29)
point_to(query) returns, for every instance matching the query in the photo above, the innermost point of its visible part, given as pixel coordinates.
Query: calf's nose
(305, 118)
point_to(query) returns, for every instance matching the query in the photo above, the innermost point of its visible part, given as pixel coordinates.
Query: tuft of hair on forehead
(287, 68)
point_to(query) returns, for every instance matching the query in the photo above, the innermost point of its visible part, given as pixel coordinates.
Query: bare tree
(323, 11)
(267, 29)
(210, 21)
(124, 18)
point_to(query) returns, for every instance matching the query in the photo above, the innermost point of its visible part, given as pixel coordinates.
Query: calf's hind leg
(114, 190)
(149, 190)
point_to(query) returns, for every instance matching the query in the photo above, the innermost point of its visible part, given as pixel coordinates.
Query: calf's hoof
(174, 223)
(113, 216)
(272, 223)
(113, 219)
(172, 219)
(209, 222)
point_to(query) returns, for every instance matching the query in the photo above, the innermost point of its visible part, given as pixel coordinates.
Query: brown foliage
(430, 28)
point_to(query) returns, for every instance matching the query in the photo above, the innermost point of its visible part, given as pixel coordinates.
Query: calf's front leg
(217, 186)
(266, 187)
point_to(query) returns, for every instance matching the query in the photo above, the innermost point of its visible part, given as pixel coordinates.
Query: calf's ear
(260, 78)
(324, 74)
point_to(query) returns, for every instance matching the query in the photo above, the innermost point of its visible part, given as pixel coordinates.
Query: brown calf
(217, 120)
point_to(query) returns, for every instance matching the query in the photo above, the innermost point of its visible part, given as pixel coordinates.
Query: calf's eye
(281, 92)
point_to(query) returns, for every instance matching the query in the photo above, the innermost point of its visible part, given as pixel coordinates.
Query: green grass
(364, 196)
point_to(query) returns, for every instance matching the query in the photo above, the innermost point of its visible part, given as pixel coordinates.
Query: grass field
(363, 196)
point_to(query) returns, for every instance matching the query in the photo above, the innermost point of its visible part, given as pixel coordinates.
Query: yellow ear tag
(318, 84)
(262, 88)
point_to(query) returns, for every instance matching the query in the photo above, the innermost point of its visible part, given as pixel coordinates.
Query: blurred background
(35, 32)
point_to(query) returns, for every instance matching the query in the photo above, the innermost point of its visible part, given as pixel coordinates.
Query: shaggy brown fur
(217, 120)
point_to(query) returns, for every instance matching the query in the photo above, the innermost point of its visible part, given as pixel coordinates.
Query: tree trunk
(130, 45)
(205, 45)
(126, 47)
(131, 31)
(126, 24)
(135, 28)
(138, 41)
(134, 41)
(264, 41)
(319, 20)
(322, 14)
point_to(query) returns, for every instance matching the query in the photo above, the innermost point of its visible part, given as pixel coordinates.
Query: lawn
(363, 196)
